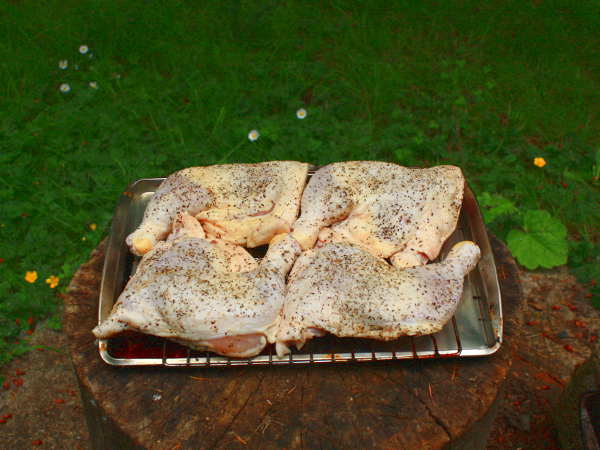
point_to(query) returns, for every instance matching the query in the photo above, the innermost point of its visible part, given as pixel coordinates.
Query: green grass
(484, 85)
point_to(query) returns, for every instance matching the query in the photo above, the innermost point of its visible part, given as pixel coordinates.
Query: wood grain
(399, 404)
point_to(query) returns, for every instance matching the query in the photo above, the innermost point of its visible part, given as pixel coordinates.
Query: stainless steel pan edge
(115, 263)
(486, 266)
(115, 271)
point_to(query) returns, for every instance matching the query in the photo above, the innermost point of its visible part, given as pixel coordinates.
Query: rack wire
(405, 348)
(475, 329)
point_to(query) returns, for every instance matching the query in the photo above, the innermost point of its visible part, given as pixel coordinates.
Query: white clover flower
(93, 85)
(253, 135)
(64, 88)
(63, 64)
(301, 113)
(83, 49)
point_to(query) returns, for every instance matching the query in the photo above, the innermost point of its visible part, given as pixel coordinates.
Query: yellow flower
(84, 238)
(540, 162)
(52, 281)
(30, 277)
(93, 226)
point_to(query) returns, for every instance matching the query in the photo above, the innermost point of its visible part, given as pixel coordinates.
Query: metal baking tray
(475, 329)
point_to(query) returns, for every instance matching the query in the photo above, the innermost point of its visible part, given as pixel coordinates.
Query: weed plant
(488, 86)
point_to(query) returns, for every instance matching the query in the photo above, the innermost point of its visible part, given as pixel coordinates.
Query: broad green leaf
(542, 244)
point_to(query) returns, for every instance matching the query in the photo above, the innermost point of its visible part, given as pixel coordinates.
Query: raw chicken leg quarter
(208, 295)
(391, 211)
(245, 204)
(344, 290)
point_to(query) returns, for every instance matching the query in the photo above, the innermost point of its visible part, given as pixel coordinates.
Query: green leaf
(543, 243)
(596, 167)
(405, 156)
(54, 323)
(494, 206)
(460, 101)
(584, 261)
(573, 176)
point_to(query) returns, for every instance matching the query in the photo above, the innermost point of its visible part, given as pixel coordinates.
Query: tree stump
(399, 404)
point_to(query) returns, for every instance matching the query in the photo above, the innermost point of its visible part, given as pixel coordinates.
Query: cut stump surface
(398, 404)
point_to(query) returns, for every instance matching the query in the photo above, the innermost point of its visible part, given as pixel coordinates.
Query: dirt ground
(40, 405)
(42, 397)
(554, 364)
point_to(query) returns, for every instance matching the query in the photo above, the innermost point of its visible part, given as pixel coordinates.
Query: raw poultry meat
(245, 204)
(392, 211)
(206, 294)
(342, 289)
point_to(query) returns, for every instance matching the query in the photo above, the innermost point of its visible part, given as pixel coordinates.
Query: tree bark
(399, 404)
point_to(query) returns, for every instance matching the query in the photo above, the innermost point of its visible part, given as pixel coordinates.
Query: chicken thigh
(344, 290)
(206, 294)
(391, 211)
(245, 204)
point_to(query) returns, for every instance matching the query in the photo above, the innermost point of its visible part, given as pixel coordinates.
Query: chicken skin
(344, 290)
(244, 204)
(206, 294)
(391, 211)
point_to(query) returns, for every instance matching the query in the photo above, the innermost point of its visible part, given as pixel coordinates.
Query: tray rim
(114, 252)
